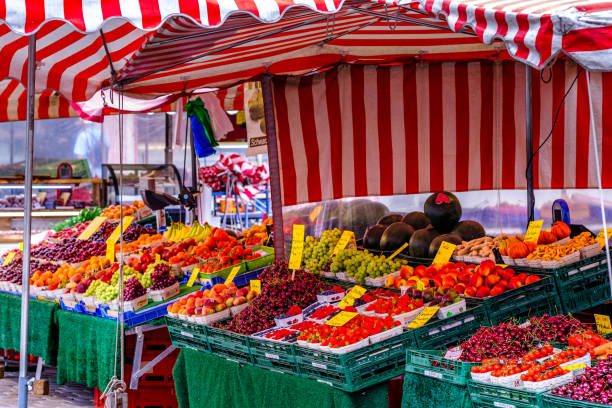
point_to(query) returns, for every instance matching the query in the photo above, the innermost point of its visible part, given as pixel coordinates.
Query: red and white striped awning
(455, 126)
(534, 31)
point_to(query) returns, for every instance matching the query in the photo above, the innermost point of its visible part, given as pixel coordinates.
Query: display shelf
(431, 363)
(443, 333)
(488, 395)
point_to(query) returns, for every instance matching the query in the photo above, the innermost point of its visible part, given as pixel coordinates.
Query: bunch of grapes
(317, 253)
(161, 276)
(93, 286)
(107, 293)
(278, 294)
(145, 279)
(130, 234)
(361, 264)
(127, 272)
(133, 289)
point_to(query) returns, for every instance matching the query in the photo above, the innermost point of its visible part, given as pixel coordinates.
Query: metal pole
(275, 186)
(598, 172)
(529, 144)
(194, 173)
(27, 228)
(168, 148)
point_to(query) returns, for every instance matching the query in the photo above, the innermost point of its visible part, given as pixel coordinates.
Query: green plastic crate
(552, 401)
(227, 339)
(431, 363)
(187, 334)
(504, 397)
(263, 261)
(229, 352)
(443, 333)
(274, 360)
(534, 299)
(358, 369)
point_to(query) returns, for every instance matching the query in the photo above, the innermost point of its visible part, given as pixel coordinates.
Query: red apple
(470, 291)
(464, 277)
(522, 277)
(497, 290)
(483, 292)
(486, 267)
(508, 274)
(502, 283)
(515, 283)
(492, 280)
(460, 288)
(531, 279)
(476, 280)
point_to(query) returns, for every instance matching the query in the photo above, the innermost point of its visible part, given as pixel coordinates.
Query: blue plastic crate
(131, 318)
(239, 280)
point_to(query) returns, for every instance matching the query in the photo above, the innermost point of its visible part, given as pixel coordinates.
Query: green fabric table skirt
(42, 328)
(206, 381)
(425, 392)
(86, 349)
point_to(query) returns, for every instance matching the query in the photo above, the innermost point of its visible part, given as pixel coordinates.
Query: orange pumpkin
(561, 230)
(518, 250)
(531, 246)
(546, 237)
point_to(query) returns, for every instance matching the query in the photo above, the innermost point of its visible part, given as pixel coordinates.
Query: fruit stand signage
(232, 275)
(444, 253)
(400, 249)
(341, 318)
(8, 259)
(351, 296)
(600, 237)
(92, 228)
(114, 237)
(603, 324)
(255, 285)
(346, 238)
(194, 274)
(297, 247)
(533, 231)
(423, 317)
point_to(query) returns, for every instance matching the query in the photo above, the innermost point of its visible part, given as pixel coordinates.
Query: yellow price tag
(603, 324)
(574, 367)
(423, 317)
(400, 249)
(9, 258)
(420, 285)
(157, 258)
(297, 247)
(232, 275)
(255, 285)
(600, 237)
(351, 296)
(444, 253)
(341, 318)
(194, 274)
(504, 266)
(21, 246)
(345, 239)
(91, 229)
(315, 213)
(114, 237)
(533, 231)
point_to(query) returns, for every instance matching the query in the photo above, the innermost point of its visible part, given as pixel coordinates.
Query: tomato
(590, 344)
(597, 339)
(575, 340)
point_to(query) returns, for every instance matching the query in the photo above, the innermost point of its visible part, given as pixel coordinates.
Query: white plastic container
(387, 334)
(380, 281)
(507, 260)
(451, 310)
(211, 318)
(350, 347)
(237, 309)
(534, 263)
(289, 320)
(551, 264)
(163, 294)
(406, 318)
(590, 251)
(342, 276)
(484, 378)
(521, 262)
(541, 386)
(571, 258)
(331, 297)
(89, 300)
(586, 360)
(131, 305)
(512, 381)
(328, 274)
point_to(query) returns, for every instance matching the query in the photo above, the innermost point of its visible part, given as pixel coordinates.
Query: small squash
(546, 237)
(561, 230)
(518, 250)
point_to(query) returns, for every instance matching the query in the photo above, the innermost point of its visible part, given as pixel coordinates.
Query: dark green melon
(396, 235)
(417, 219)
(371, 239)
(390, 219)
(469, 230)
(420, 240)
(435, 244)
(443, 210)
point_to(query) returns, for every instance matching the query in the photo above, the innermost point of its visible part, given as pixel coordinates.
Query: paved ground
(64, 396)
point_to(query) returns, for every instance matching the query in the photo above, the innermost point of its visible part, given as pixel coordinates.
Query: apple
(464, 277)
(476, 280)
(219, 299)
(497, 290)
(483, 292)
(199, 302)
(229, 302)
(503, 284)
(507, 274)
(492, 279)
(239, 300)
(197, 311)
(531, 279)
(207, 310)
(522, 277)
(420, 270)
(460, 288)
(251, 295)
(470, 291)
(515, 283)
(220, 307)
(406, 272)
(486, 267)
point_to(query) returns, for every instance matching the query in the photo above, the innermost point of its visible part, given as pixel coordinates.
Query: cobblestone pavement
(60, 396)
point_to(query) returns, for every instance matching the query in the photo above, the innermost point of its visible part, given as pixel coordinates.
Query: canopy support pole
(27, 227)
(598, 172)
(275, 186)
(529, 143)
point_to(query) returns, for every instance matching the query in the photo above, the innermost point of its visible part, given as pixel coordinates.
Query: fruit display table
(43, 330)
(203, 380)
(426, 392)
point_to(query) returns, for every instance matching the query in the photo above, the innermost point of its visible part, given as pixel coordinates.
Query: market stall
(218, 340)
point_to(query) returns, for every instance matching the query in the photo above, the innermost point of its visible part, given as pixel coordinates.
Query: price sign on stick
(533, 231)
(255, 285)
(297, 247)
(8, 259)
(423, 317)
(444, 253)
(399, 250)
(232, 275)
(194, 274)
(600, 237)
(91, 228)
(351, 296)
(346, 238)
(114, 237)
(341, 318)
(603, 324)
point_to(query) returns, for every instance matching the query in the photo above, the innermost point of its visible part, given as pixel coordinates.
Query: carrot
(605, 348)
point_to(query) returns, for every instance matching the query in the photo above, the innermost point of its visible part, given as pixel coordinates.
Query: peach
(483, 292)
